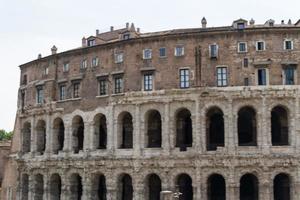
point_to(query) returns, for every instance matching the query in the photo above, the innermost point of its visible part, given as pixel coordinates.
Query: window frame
(165, 52)
(101, 87)
(40, 94)
(118, 85)
(284, 74)
(292, 44)
(66, 66)
(184, 78)
(147, 54)
(119, 57)
(148, 82)
(176, 51)
(216, 55)
(95, 62)
(62, 93)
(266, 81)
(76, 89)
(222, 79)
(264, 45)
(246, 47)
(83, 64)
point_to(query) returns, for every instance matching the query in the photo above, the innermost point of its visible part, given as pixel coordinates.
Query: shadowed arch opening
(77, 134)
(153, 124)
(99, 187)
(216, 187)
(214, 128)
(24, 186)
(184, 129)
(100, 131)
(41, 136)
(26, 137)
(279, 126)
(281, 187)
(125, 137)
(153, 187)
(38, 190)
(185, 187)
(249, 187)
(58, 135)
(55, 187)
(75, 187)
(247, 127)
(125, 187)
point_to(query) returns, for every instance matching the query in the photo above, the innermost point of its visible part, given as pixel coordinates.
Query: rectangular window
(102, 87)
(213, 51)
(242, 47)
(246, 81)
(118, 57)
(91, 43)
(261, 77)
(46, 71)
(222, 76)
(76, 87)
(62, 92)
(179, 51)
(184, 78)
(288, 45)
(245, 62)
(126, 36)
(148, 82)
(162, 52)
(241, 26)
(147, 54)
(118, 85)
(66, 67)
(39, 95)
(289, 75)
(95, 62)
(83, 64)
(260, 46)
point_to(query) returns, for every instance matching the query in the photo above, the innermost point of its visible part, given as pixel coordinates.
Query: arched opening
(125, 187)
(75, 187)
(214, 129)
(279, 126)
(26, 137)
(41, 136)
(185, 187)
(281, 188)
(100, 131)
(153, 187)
(55, 187)
(78, 134)
(248, 187)
(58, 135)
(38, 190)
(153, 122)
(99, 187)
(24, 186)
(184, 129)
(247, 127)
(125, 131)
(216, 188)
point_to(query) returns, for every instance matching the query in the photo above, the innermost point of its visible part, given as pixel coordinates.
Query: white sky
(30, 27)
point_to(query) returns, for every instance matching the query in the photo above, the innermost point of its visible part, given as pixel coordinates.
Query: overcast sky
(30, 27)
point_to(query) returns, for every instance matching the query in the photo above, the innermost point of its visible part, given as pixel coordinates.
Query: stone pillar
(112, 130)
(49, 135)
(87, 136)
(230, 124)
(33, 136)
(65, 188)
(262, 121)
(265, 190)
(111, 187)
(232, 191)
(137, 132)
(47, 192)
(87, 188)
(166, 129)
(31, 187)
(197, 128)
(68, 138)
(202, 133)
(295, 190)
(166, 195)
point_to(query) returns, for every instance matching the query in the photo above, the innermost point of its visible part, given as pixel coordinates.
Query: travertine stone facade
(174, 132)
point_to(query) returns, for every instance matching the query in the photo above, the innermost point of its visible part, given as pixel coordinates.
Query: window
(289, 75)
(46, 71)
(24, 80)
(102, 86)
(262, 76)
(83, 64)
(246, 81)
(66, 67)
(288, 45)
(118, 85)
(118, 57)
(162, 52)
(39, 95)
(222, 76)
(91, 43)
(62, 92)
(245, 62)
(260, 46)
(95, 62)
(76, 87)
(148, 82)
(179, 51)
(147, 54)
(241, 25)
(126, 36)
(213, 51)
(242, 47)
(184, 78)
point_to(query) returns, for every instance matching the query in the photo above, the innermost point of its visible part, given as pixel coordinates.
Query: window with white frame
(242, 47)
(179, 51)
(62, 92)
(39, 94)
(46, 70)
(289, 74)
(213, 51)
(162, 52)
(260, 46)
(288, 45)
(66, 67)
(118, 84)
(95, 62)
(119, 57)
(184, 78)
(147, 54)
(262, 76)
(103, 86)
(222, 76)
(148, 82)
(83, 64)
(91, 42)
(76, 89)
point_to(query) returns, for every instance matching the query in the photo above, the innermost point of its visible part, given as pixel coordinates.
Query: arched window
(38, 190)
(281, 187)
(216, 187)
(75, 187)
(41, 136)
(279, 126)
(58, 135)
(78, 134)
(55, 187)
(125, 131)
(125, 187)
(184, 129)
(24, 186)
(99, 187)
(248, 187)
(100, 131)
(26, 137)
(247, 126)
(214, 129)
(153, 187)
(153, 121)
(185, 187)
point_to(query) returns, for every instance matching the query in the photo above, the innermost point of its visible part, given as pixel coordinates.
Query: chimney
(252, 22)
(127, 25)
(203, 22)
(290, 22)
(111, 28)
(282, 22)
(138, 30)
(83, 42)
(53, 50)
(97, 32)
(39, 56)
(132, 28)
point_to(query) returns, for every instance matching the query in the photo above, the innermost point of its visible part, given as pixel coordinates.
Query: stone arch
(77, 134)
(153, 129)
(125, 188)
(247, 130)
(99, 189)
(76, 188)
(184, 129)
(214, 128)
(125, 131)
(249, 187)
(282, 187)
(55, 187)
(153, 187)
(38, 190)
(100, 131)
(58, 135)
(24, 186)
(216, 187)
(26, 137)
(279, 126)
(184, 185)
(41, 136)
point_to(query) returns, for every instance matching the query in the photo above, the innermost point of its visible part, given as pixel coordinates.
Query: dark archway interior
(184, 129)
(38, 187)
(25, 187)
(76, 187)
(41, 136)
(281, 187)
(214, 129)
(185, 187)
(99, 188)
(247, 127)
(127, 132)
(154, 129)
(126, 188)
(279, 126)
(55, 187)
(102, 133)
(154, 187)
(216, 188)
(248, 187)
(26, 136)
(78, 133)
(59, 135)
